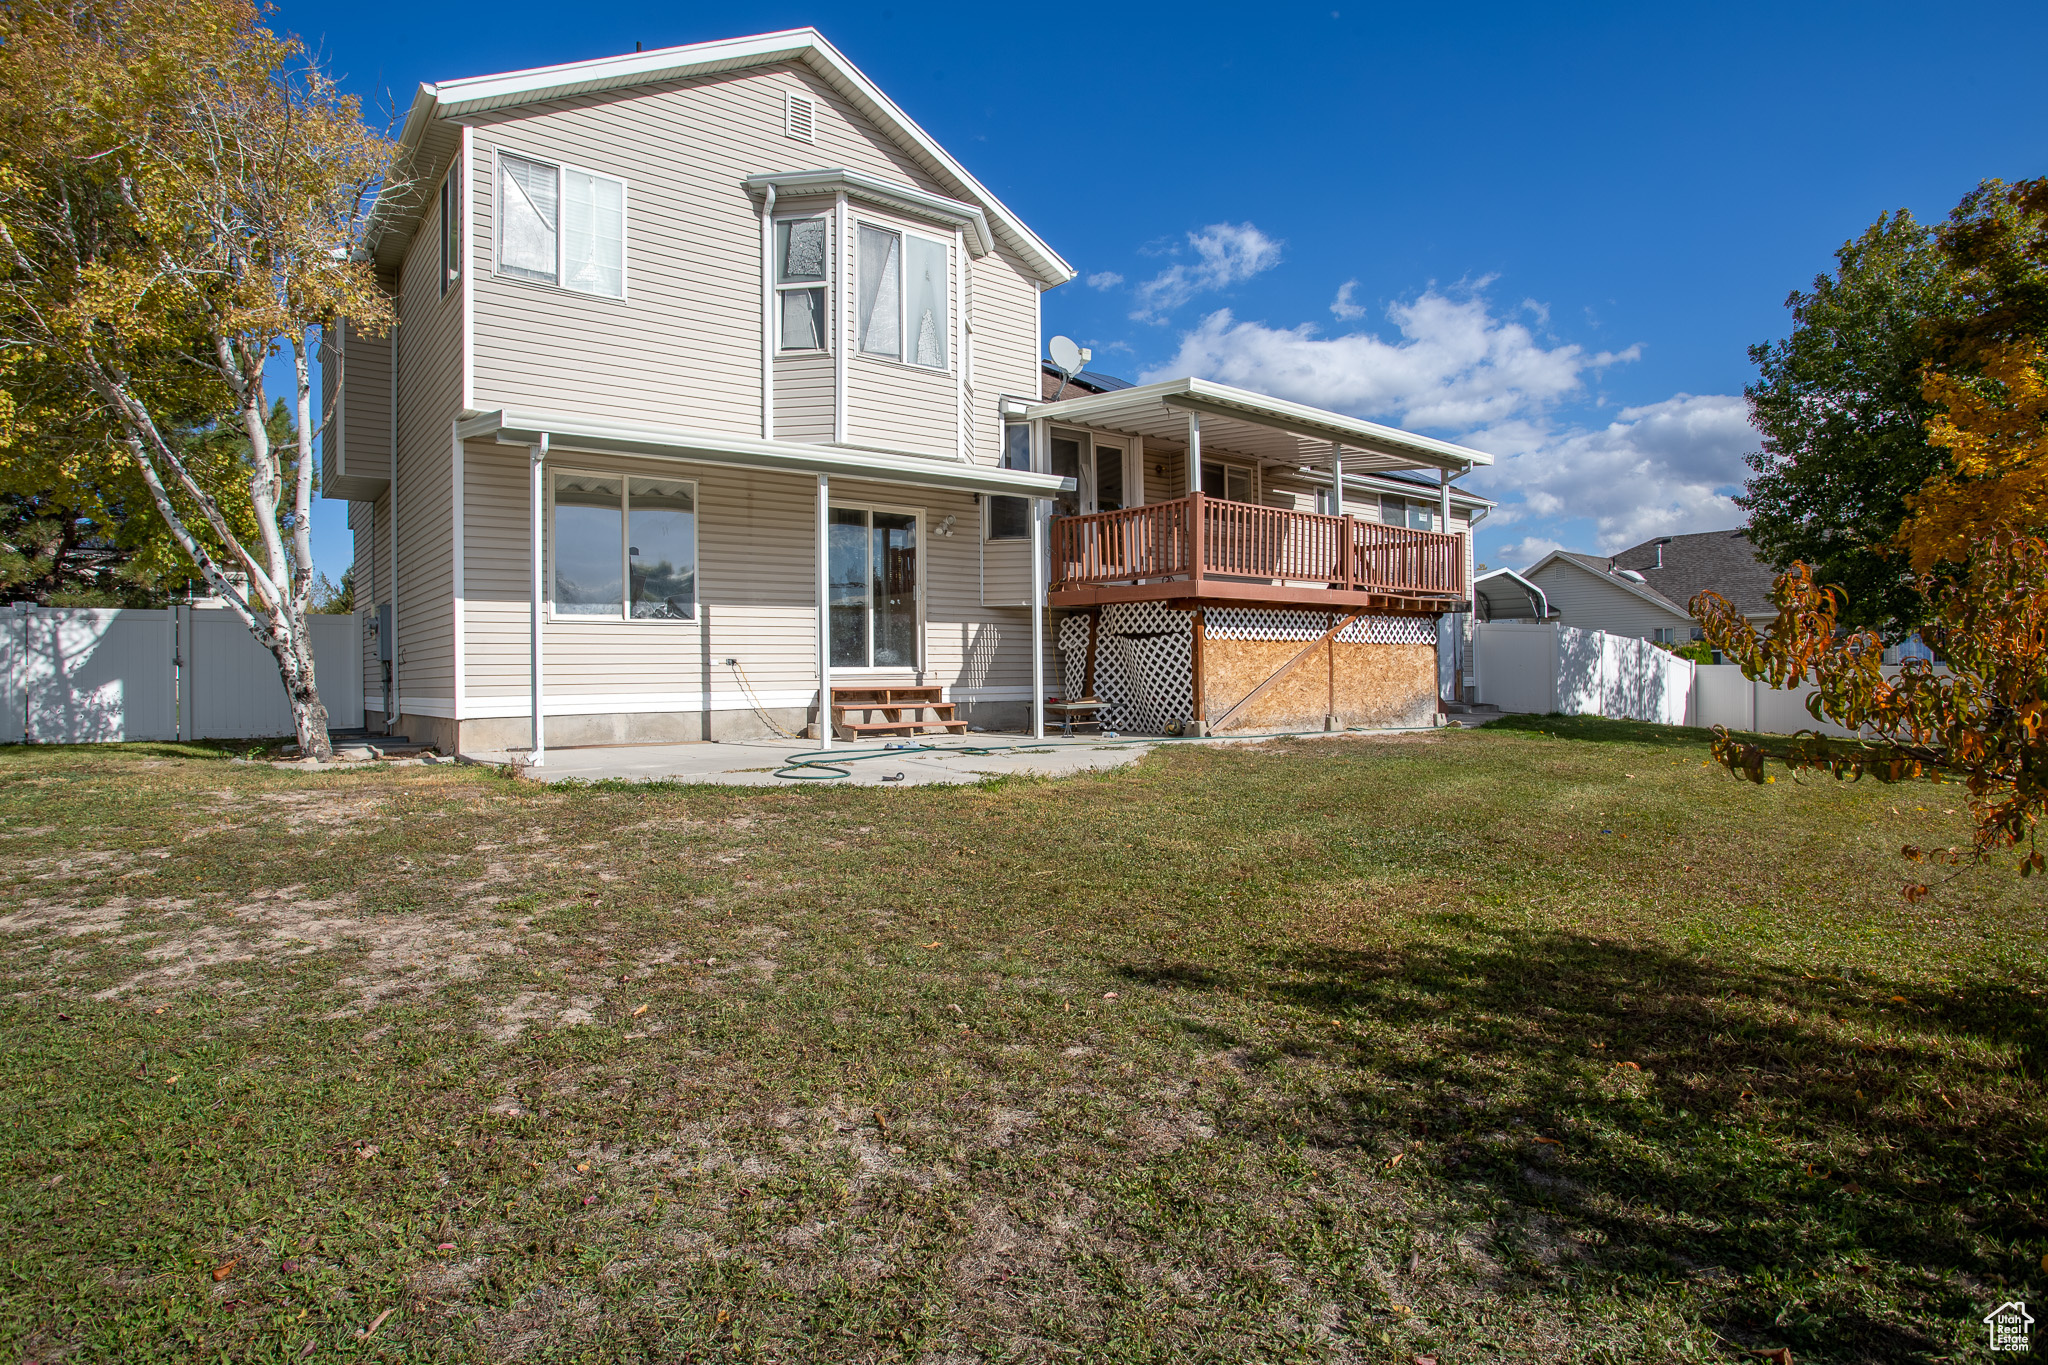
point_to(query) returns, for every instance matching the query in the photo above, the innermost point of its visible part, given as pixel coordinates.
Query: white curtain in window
(526, 217)
(802, 257)
(881, 265)
(593, 234)
(927, 262)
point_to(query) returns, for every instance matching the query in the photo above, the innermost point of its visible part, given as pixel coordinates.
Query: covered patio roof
(606, 437)
(1271, 430)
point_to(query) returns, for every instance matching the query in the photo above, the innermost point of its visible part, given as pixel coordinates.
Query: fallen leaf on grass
(933, 944)
(221, 1272)
(588, 1200)
(642, 1010)
(1630, 1065)
(582, 1165)
(171, 1080)
(1423, 1360)
(1852, 1188)
(445, 1246)
(1900, 1000)
(1109, 995)
(1952, 1104)
(1781, 1356)
(1392, 1162)
(1548, 1142)
(364, 1153)
(367, 1331)
(309, 1349)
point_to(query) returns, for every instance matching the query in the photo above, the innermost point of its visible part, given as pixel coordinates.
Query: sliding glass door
(873, 571)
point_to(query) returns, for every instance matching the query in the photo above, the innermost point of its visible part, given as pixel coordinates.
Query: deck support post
(1198, 724)
(824, 596)
(537, 500)
(1330, 706)
(1039, 508)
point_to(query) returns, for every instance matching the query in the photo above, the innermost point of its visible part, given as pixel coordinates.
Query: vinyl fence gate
(91, 675)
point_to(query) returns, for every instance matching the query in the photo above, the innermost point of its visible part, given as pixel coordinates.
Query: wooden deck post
(1198, 723)
(1350, 553)
(1330, 707)
(1196, 548)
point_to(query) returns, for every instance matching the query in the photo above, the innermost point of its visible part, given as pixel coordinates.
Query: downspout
(535, 494)
(768, 313)
(1039, 508)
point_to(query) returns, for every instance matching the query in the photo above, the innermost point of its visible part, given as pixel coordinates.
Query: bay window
(624, 548)
(872, 566)
(902, 283)
(801, 275)
(562, 226)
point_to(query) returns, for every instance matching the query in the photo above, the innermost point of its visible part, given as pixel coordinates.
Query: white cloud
(1523, 552)
(1342, 305)
(1226, 253)
(1455, 365)
(1105, 279)
(1661, 469)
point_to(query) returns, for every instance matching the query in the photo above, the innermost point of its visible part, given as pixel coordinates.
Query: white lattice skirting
(1144, 669)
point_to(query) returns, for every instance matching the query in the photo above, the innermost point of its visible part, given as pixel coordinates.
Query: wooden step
(951, 727)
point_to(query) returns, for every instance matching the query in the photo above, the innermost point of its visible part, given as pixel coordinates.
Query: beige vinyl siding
(362, 523)
(684, 346)
(1589, 602)
(429, 396)
(756, 597)
(1002, 301)
(355, 380)
(1006, 573)
(803, 398)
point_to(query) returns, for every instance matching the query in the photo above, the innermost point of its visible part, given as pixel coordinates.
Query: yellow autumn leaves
(1996, 433)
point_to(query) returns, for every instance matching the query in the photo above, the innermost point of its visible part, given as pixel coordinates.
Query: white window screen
(527, 218)
(926, 316)
(593, 234)
(880, 302)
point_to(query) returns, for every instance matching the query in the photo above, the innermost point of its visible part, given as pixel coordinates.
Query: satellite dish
(1068, 359)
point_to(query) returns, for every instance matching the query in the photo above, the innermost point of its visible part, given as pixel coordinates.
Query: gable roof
(1723, 561)
(397, 216)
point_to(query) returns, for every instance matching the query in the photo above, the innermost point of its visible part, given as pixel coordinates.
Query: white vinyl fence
(1557, 670)
(86, 675)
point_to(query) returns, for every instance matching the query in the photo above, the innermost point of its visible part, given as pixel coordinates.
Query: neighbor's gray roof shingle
(1723, 561)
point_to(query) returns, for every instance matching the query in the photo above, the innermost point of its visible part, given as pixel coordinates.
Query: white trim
(821, 540)
(455, 519)
(604, 436)
(499, 707)
(957, 330)
(1223, 400)
(842, 327)
(880, 193)
(453, 99)
(562, 168)
(468, 155)
(777, 288)
(768, 316)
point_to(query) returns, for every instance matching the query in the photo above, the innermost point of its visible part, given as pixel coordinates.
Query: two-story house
(716, 390)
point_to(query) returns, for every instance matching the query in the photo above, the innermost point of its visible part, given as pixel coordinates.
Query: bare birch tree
(182, 199)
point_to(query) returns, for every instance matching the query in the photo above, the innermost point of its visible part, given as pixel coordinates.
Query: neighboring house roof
(1723, 561)
(394, 218)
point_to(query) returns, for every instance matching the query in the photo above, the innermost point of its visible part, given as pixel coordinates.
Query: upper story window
(562, 226)
(1410, 512)
(802, 274)
(451, 227)
(901, 307)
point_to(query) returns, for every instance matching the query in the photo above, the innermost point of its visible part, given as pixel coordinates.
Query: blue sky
(1547, 231)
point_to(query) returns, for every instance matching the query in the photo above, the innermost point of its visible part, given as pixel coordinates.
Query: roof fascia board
(872, 189)
(1222, 400)
(480, 94)
(1662, 603)
(598, 436)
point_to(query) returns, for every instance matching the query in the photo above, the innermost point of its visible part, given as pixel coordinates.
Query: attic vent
(800, 117)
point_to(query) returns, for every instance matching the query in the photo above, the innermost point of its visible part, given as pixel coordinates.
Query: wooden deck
(1199, 548)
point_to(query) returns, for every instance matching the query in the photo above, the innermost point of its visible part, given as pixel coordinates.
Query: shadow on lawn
(1837, 1170)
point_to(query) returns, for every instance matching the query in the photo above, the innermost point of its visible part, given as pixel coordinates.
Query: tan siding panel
(803, 398)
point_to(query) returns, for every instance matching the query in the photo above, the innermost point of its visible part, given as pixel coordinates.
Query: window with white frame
(624, 548)
(562, 226)
(1010, 518)
(874, 588)
(1413, 513)
(451, 227)
(803, 260)
(902, 283)
(1230, 481)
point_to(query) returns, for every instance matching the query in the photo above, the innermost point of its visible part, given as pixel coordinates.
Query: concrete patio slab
(754, 763)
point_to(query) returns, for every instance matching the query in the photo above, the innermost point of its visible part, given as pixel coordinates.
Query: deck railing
(1199, 537)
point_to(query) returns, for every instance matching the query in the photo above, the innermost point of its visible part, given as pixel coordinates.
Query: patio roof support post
(1336, 480)
(1039, 508)
(824, 598)
(1194, 451)
(537, 498)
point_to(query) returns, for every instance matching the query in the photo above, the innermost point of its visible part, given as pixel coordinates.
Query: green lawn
(1541, 1042)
